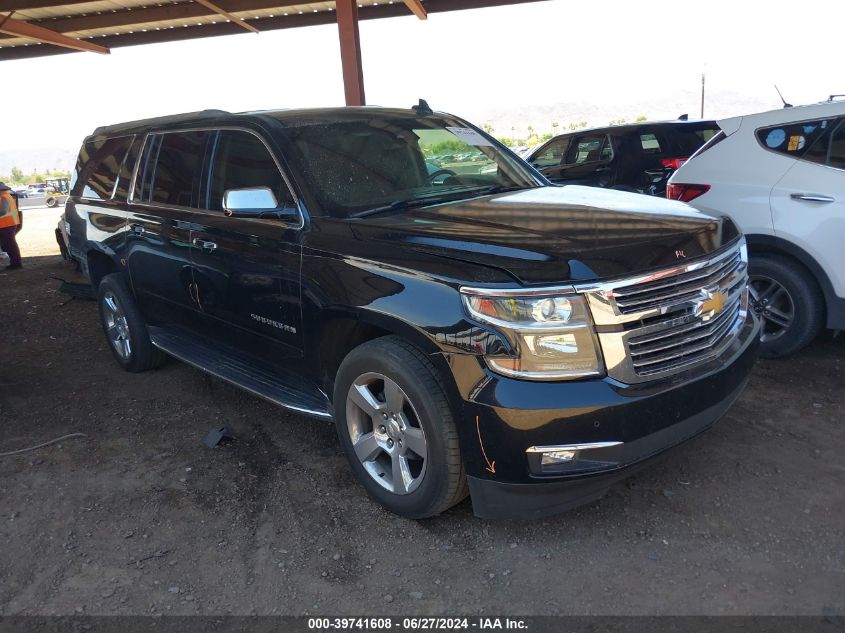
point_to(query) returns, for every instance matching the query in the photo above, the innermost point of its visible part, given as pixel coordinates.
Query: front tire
(125, 329)
(788, 299)
(397, 430)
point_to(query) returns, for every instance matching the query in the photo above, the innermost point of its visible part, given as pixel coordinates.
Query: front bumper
(641, 421)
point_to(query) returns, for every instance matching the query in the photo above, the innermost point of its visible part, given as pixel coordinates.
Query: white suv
(781, 176)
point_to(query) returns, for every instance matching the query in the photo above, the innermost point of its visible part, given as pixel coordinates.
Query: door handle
(204, 244)
(811, 197)
(137, 229)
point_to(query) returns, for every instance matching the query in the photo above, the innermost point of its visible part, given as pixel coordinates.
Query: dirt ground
(140, 517)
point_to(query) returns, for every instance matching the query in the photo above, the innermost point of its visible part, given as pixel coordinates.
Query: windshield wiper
(401, 205)
(396, 205)
(486, 191)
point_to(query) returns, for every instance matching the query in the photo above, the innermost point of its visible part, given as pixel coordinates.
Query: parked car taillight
(673, 163)
(685, 192)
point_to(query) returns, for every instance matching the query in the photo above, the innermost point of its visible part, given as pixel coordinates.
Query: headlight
(552, 335)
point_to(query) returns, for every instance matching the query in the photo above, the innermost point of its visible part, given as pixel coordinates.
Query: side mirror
(255, 202)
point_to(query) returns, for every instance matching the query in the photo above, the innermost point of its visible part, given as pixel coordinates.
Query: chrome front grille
(683, 345)
(659, 324)
(669, 290)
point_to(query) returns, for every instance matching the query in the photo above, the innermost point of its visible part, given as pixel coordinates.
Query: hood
(557, 234)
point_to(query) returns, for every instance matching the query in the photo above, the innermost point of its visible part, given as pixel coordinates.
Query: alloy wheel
(386, 433)
(117, 328)
(773, 303)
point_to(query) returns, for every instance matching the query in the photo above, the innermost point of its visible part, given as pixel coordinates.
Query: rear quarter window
(793, 139)
(98, 166)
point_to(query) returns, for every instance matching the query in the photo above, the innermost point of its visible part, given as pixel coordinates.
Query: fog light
(554, 458)
(565, 459)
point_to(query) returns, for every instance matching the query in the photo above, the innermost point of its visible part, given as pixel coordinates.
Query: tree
(578, 126)
(621, 121)
(16, 175)
(640, 118)
(488, 127)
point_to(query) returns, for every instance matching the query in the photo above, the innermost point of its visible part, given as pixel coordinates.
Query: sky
(614, 53)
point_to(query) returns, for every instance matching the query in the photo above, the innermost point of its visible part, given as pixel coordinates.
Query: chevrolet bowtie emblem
(710, 303)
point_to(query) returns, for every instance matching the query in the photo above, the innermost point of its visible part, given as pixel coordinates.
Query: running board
(284, 388)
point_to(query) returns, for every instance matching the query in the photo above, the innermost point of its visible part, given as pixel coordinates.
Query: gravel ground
(139, 517)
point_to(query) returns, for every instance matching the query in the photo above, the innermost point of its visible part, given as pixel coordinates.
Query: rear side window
(589, 149)
(829, 149)
(686, 139)
(98, 166)
(836, 156)
(551, 154)
(242, 160)
(793, 139)
(170, 168)
(121, 191)
(714, 140)
(650, 144)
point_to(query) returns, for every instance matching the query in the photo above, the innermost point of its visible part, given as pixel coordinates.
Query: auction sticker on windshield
(470, 136)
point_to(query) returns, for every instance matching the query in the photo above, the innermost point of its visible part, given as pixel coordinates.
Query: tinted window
(828, 149)
(837, 148)
(121, 192)
(587, 149)
(361, 162)
(242, 160)
(551, 154)
(685, 140)
(649, 144)
(793, 139)
(98, 165)
(171, 166)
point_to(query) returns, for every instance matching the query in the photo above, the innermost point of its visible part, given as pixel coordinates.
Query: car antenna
(785, 104)
(422, 108)
(683, 117)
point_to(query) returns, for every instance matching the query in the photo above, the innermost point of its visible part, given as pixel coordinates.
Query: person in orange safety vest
(10, 219)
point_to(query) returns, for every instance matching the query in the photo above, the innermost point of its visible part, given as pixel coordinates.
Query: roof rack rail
(162, 120)
(835, 97)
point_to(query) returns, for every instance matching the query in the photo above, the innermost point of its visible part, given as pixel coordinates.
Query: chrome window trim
(214, 128)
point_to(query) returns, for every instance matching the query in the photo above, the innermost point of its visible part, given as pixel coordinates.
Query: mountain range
(505, 121)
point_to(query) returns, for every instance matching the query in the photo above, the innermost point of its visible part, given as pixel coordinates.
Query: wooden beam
(417, 9)
(140, 16)
(23, 5)
(350, 52)
(267, 24)
(233, 19)
(19, 28)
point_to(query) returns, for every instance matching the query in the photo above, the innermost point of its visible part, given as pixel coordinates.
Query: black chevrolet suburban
(474, 330)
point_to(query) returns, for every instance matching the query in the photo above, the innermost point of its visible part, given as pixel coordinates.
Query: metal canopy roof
(36, 28)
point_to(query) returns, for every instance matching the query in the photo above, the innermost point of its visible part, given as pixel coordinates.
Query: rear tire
(789, 301)
(124, 327)
(389, 408)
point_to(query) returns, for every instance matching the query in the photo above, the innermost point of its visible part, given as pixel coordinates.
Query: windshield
(354, 165)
